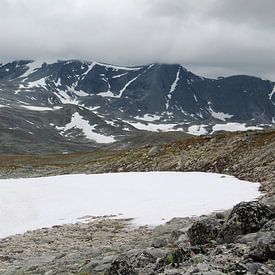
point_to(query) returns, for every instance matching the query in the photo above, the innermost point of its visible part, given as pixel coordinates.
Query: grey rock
(269, 226)
(263, 248)
(159, 242)
(153, 151)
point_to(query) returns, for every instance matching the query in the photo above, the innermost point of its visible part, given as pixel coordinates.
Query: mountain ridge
(118, 101)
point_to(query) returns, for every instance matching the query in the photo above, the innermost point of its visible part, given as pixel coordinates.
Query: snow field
(150, 198)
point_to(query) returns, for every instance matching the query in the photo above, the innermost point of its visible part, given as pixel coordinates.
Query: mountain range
(80, 105)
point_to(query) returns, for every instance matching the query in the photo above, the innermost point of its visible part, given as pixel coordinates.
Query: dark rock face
(245, 217)
(204, 231)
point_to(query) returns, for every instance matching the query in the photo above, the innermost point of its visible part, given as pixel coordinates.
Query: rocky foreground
(238, 241)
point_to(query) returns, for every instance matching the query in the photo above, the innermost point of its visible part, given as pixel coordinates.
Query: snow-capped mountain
(78, 101)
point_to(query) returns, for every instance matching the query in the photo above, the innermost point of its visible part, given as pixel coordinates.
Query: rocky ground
(241, 241)
(238, 241)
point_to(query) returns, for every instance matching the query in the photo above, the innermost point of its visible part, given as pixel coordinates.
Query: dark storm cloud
(212, 37)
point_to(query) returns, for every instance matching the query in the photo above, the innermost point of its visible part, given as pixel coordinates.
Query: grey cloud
(212, 37)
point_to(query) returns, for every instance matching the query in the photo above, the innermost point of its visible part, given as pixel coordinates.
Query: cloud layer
(210, 37)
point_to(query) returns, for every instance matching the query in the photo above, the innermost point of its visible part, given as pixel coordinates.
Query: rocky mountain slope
(77, 104)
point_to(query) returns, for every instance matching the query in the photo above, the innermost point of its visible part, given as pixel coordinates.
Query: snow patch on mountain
(38, 83)
(197, 130)
(120, 75)
(78, 122)
(233, 127)
(37, 108)
(107, 94)
(172, 89)
(271, 95)
(32, 67)
(219, 115)
(90, 67)
(154, 127)
(148, 117)
(126, 85)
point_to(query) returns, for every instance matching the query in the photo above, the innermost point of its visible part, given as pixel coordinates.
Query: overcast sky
(210, 37)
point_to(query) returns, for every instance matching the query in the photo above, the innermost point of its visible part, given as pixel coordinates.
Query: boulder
(202, 232)
(245, 217)
(121, 266)
(174, 258)
(263, 248)
(159, 242)
(143, 259)
(154, 151)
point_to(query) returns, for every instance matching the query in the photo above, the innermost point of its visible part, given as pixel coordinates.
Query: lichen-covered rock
(143, 259)
(263, 247)
(121, 266)
(245, 217)
(237, 268)
(204, 231)
(175, 258)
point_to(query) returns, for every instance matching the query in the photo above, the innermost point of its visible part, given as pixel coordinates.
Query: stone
(154, 151)
(121, 266)
(159, 242)
(202, 232)
(175, 258)
(263, 247)
(245, 217)
(143, 259)
(269, 226)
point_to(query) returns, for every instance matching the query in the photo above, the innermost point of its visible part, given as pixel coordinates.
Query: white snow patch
(172, 89)
(154, 127)
(271, 95)
(90, 67)
(107, 94)
(197, 130)
(38, 83)
(233, 127)
(81, 93)
(150, 198)
(120, 75)
(32, 67)
(79, 122)
(117, 68)
(36, 108)
(219, 115)
(126, 85)
(148, 117)
(132, 80)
